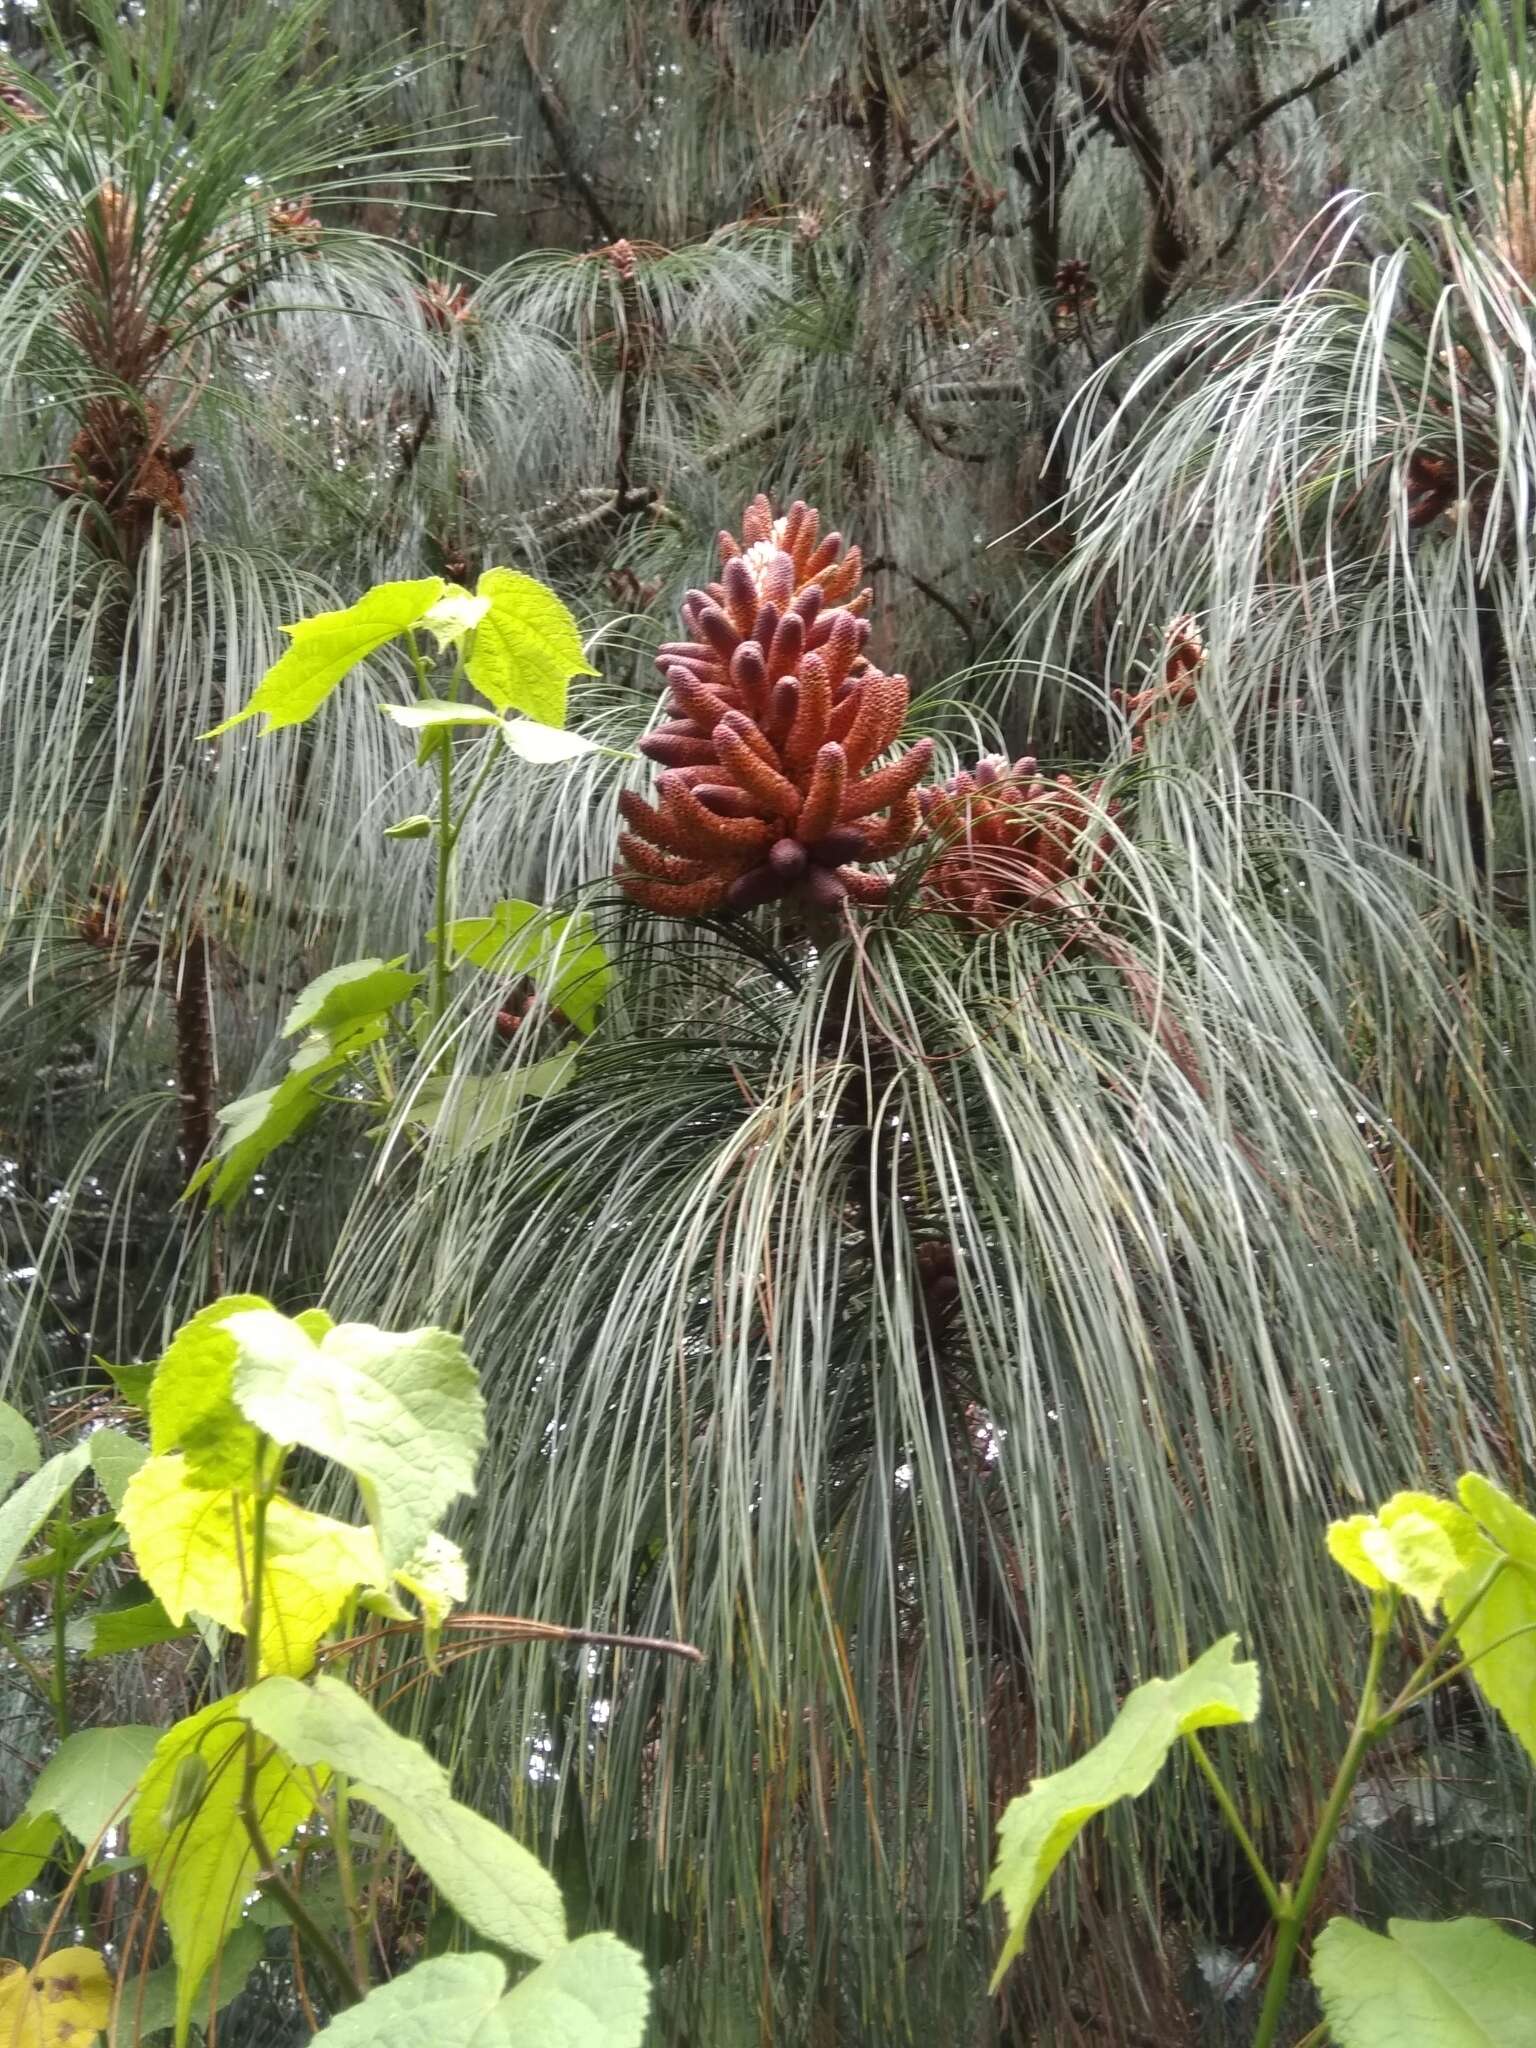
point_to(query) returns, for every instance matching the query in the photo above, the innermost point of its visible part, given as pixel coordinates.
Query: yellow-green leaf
(490, 1880)
(349, 995)
(1415, 1544)
(544, 745)
(86, 1782)
(25, 1847)
(203, 1863)
(188, 1551)
(326, 647)
(400, 1410)
(1426, 1984)
(19, 1449)
(1498, 1636)
(1038, 1828)
(191, 1409)
(562, 955)
(60, 2002)
(526, 648)
(594, 1994)
(456, 613)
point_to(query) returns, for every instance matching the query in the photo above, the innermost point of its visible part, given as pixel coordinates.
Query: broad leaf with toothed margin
(594, 1994)
(34, 1501)
(19, 1449)
(192, 1552)
(1498, 1636)
(86, 1783)
(191, 1409)
(526, 648)
(491, 1881)
(201, 1861)
(1451, 1983)
(445, 2002)
(400, 1410)
(328, 646)
(1039, 1827)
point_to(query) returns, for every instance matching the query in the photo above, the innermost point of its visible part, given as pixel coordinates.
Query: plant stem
(60, 1687)
(1234, 1821)
(445, 838)
(1421, 1683)
(347, 1987)
(272, 1885)
(1298, 1904)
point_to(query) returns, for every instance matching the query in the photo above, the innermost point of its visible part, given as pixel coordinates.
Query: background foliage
(946, 1332)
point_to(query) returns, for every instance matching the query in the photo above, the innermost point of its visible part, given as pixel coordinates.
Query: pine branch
(1382, 24)
(559, 130)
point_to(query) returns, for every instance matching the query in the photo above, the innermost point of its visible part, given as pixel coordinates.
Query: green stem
(348, 1989)
(1234, 1821)
(273, 1885)
(1420, 1683)
(492, 752)
(445, 839)
(1297, 1905)
(60, 1686)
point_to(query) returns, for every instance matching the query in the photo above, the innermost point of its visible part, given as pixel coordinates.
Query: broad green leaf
(495, 940)
(34, 1501)
(467, 1112)
(1442, 1984)
(445, 2002)
(526, 648)
(191, 1409)
(1416, 1544)
(593, 1994)
(188, 1549)
(256, 1125)
(456, 613)
(1498, 1638)
(325, 647)
(132, 1381)
(20, 1452)
(147, 2005)
(491, 1881)
(111, 1630)
(544, 745)
(401, 1411)
(61, 2001)
(204, 1866)
(1039, 1827)
(561, 954)
(433, 714)
(351, 994)
(115, 1457)
(86, 1784)
(25, 1846)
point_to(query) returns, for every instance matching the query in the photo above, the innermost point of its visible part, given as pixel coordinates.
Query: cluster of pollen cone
(772, 782)
(1012, 844)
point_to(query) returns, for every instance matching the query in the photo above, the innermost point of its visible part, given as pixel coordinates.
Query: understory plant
(517, 646)
(1452, 1588)
(289, 1796)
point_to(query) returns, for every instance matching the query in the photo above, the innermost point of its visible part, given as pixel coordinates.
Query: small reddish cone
(1183, 658)
(1014, 845)
(776, 720)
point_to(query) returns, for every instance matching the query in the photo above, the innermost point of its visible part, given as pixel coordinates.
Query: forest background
(944, 1321)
